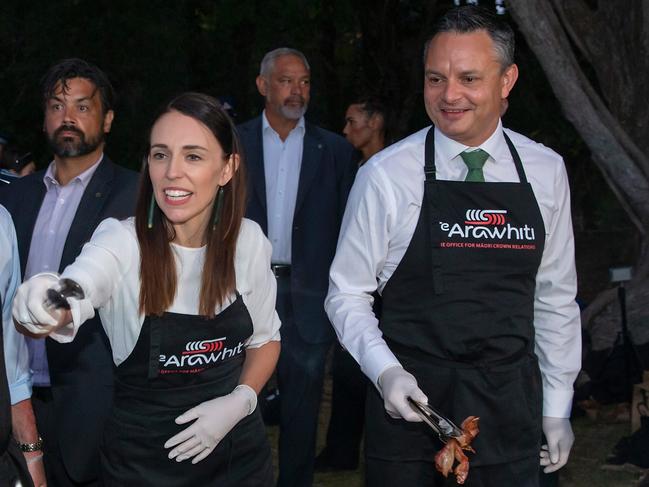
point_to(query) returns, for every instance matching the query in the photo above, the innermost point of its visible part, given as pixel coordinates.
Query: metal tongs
(57, 298)
(444, 427)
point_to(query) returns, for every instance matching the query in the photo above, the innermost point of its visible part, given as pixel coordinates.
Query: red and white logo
(485, 217)
(199, 355)
(204, 346)
(487, 229)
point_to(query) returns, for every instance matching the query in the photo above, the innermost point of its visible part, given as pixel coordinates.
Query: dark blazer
(81, 372)
(327, 173)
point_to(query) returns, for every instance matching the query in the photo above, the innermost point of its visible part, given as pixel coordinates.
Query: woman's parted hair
(158, 278)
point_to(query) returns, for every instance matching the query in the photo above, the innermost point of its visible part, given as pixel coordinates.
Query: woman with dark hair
(186, 297)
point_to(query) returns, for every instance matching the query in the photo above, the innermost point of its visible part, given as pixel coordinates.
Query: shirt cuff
(274, 338)
(376, 361)
(262, 339)
(19, 391)
(557, 403)
(81, 310)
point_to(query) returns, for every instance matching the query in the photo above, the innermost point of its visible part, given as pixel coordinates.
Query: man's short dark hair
(470, 18)
(78, 68)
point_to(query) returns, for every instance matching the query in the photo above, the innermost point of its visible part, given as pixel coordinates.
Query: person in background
(230, 106)
(465, 230)
(13, 164)
(55, 212)
(186, 296)
(366, 125)
(300, 175)
(13, 466)
(366, 128)
(7, 171)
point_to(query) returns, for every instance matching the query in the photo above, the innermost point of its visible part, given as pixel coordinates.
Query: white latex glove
(396, 385)
(29, 310)
(214, 420)
(558, 433)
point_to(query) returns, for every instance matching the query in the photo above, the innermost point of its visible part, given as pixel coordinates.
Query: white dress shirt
(15, 347)
(108, 270)
(381, 215)
(282, 164)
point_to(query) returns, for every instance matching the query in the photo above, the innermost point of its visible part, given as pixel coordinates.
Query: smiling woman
(187, 299)
(193, 156)
(187, 166)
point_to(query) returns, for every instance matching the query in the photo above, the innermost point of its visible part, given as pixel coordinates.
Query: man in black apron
(465, 230)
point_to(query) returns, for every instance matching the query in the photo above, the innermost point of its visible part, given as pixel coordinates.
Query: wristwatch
(29, 447)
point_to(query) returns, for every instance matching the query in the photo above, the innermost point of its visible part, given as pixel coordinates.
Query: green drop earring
(218, 207)
(149, 220)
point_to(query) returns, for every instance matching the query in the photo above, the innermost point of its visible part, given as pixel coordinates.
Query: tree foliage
(154, 49)
(596, 56)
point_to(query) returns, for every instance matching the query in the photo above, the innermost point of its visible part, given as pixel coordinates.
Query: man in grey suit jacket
(55, 212)
(299, 178)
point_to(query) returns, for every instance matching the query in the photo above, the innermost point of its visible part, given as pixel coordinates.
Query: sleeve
(360, 255)
(16, 354)
(556, 313)
(99, 269)
(261, 287)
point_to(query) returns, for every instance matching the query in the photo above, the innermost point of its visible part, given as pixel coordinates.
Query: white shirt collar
(265, 125)
(449, 149)
(50, 180)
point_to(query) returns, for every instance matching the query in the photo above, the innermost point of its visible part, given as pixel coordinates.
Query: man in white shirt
(299, 178)
(465, 230)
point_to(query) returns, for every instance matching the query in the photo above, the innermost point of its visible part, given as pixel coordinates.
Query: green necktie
(474, 161)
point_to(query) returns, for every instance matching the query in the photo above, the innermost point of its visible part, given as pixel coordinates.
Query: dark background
(152, 50)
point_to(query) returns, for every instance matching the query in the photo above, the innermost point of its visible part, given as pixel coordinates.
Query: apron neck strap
(429, 155)
(430, 172)
(517, 159)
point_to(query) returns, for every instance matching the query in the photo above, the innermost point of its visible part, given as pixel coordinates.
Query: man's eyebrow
(59, 99)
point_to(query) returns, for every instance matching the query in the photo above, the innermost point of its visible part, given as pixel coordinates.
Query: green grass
(593, 441)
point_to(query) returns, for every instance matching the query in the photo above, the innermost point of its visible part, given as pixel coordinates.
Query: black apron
(458, 313)
(180, 361)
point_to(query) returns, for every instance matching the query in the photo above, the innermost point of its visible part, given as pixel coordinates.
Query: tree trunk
(609, 138)
(624, 169)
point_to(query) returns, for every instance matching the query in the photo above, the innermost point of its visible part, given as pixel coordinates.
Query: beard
(293, 112)
(66, 146)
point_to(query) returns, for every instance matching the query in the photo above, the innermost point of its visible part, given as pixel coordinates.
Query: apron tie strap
(431, 177)
(154, 357)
